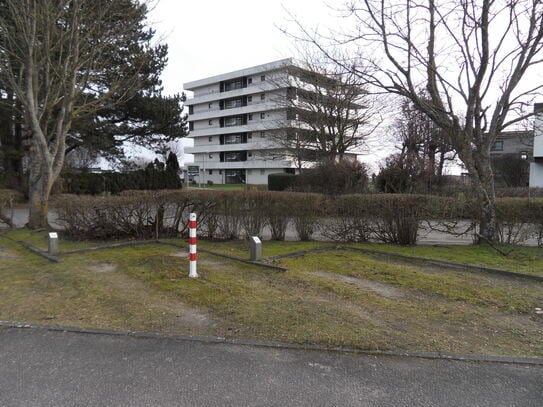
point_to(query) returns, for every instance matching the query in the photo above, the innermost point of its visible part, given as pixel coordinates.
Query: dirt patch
(385, 290)
(180, 254)
(102, 268)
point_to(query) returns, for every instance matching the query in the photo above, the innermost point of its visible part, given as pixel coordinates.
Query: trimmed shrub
(281, 182)
(276, 211)
(519, 219)
(306, 210)
(351, 221)
(116, 182)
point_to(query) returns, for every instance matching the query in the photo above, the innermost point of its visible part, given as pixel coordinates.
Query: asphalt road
(47, 368)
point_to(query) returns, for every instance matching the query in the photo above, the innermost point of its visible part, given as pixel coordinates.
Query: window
(191, 109)
(210, 122)
(210, 172)
(210, 139)
(262, 78)
(236, 84)
(210, 155)
(250, 154)
(249, 98)
(249, 80)
(231, 156)
(191, 126)
(262, 115)
(250, 117)
(262, 172)
(220, 172)
(249, 135)
(524, 155)
(234, 176)
(232, 139)
(230, 104)
(210, 105)
(262, 134)
(233, 121)
(497, 146)
(262, 96)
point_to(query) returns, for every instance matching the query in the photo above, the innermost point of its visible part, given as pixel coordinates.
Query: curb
(280, 345)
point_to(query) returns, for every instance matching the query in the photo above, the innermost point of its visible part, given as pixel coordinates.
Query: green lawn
(336, 298)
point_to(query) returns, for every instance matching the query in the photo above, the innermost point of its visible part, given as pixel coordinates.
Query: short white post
(52, 243)
(193, 257)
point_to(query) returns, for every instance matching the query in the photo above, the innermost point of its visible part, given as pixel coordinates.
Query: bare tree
(422, 142)
(58, 58)
(470, 56)
(332, 111)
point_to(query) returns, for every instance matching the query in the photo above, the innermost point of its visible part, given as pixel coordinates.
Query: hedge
(392, 218)
(115, 182)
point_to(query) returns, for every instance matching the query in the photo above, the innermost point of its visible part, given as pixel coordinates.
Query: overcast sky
(210, 37)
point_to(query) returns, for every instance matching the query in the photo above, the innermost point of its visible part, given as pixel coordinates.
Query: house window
(262, 134)
(191, 109)
(210, 155)
(233, 121)
(210, 138)
(191, 126)
(262, 115)
(262, 78)
(249, 98)
(249, 80)
(220, 172)
(262, 96)
(497, 146)
(250, 117)
(210, 122)
(249, 135)
(210, 172)
(210, 105)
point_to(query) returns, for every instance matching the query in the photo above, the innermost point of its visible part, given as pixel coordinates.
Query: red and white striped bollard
(193, 257)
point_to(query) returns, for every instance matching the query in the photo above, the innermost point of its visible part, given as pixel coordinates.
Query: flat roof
(241, 72)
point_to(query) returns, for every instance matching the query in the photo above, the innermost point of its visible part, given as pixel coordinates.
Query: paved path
(48, 368)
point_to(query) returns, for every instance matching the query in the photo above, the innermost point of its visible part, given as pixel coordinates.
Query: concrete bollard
(52, 243)
(256, 248)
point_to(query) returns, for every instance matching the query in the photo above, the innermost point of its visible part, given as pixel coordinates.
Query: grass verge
(331, 298)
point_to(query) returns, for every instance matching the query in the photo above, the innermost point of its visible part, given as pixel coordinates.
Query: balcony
(252, 108)
(217, 148)
(253, 164)
(260, 125)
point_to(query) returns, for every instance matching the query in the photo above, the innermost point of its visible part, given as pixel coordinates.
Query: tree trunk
(39, 189)
(483, 186)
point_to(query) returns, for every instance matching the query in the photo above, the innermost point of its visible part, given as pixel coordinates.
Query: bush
(334, 178)
(276, 209)
(351, 221)
(8, 198)
(116, 182)
(519, 219)
(306, 210)
(281, 182)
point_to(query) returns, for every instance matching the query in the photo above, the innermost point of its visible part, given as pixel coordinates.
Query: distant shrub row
(115, 182)
(387, 218)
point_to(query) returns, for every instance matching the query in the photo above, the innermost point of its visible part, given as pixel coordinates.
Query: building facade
(238, 120)
(536, 166)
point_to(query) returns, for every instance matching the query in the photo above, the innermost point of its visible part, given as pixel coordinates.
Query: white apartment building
(536, 166)
(236, 120)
